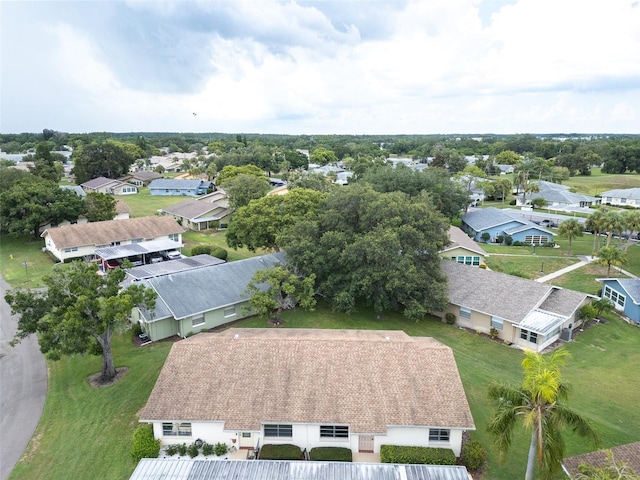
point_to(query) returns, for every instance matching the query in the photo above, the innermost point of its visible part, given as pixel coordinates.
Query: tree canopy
(33, 203)
(380, 249)
(261, 223)
(231, 171)
(100, 206)
(78, 311)
(100, 160)
(243, 188)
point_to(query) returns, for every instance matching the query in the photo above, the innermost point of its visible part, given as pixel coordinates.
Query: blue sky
(327, 66)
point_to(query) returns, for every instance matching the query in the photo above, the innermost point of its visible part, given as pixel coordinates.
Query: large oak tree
(78, 312)
(372, 248)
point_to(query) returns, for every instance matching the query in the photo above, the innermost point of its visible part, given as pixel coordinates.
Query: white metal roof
(541, 322)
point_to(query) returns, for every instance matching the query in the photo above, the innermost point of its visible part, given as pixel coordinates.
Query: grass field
(14, 252)
(144, 204)
(86, 432)
(599, 182)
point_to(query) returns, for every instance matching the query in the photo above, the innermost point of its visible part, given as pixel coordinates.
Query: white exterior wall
(418, 436)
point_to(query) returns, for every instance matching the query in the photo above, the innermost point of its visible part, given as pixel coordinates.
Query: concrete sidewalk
(584, 260)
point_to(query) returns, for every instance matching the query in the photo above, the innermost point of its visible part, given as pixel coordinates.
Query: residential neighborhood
(369, 369)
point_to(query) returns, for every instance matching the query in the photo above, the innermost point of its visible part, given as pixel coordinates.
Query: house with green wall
(200, 299)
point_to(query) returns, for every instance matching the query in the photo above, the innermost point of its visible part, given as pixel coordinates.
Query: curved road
(23, 388)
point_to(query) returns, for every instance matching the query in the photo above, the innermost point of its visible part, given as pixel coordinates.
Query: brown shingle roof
(457, 238)
(366, 379)
(122, 207)
(103, 233)
(629, 454)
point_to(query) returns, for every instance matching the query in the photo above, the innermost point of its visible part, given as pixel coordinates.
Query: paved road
(23, 388)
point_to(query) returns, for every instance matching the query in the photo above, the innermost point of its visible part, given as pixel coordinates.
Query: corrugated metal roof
(541, 322)
(171, 266)
(140, 248)
(186, 469)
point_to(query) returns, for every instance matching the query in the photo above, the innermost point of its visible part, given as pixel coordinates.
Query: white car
(173, 255)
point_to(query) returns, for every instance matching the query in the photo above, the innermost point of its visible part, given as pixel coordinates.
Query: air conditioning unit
(565, 335)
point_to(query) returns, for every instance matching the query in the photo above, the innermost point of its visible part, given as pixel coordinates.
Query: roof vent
(387, 338)
(236, 336)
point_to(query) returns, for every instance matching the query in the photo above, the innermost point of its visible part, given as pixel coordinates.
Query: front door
(365, 443)
(246, 440)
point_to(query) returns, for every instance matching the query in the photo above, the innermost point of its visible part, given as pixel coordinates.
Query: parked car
(172, 255)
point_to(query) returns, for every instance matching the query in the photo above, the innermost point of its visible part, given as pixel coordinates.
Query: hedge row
(144, 443)
(332, 454)
(280, 452)
(422, 455)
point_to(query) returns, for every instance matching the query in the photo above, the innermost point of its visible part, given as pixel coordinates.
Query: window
(476, 261)
(536, 239)
(618, 299)
(229, 311)
(72, 249)
(465, 312)
(137, 240)
(467, 260)
(529, 336)
(439, 434)
(277, 430)
(197, 320)
(334, 431)
(176, 429)
(497, 322)
(174, 236)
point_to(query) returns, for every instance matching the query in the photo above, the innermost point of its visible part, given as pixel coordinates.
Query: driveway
(23, 388)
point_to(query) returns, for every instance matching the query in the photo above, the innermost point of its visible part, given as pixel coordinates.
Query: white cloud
(441, 66)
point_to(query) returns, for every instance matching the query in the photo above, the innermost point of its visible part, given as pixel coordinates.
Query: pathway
(584, 260)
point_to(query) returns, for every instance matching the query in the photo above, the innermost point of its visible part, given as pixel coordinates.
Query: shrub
(207, 449)
(512, 202)
(493, 333)
(517, 243)
(136, 329)
(280, 452)
(201, 250)
(473, 455)
(220, 253)
(332, 454)
(485, 237)
(193, 450)
(450, 318)
(220, 449)
(144, 444)
(182, 449)
(500, 239)
(171, 450)
(508, 240)
(422, 455)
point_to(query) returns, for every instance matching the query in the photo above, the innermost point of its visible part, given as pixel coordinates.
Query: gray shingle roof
(195, 291)
(103, 233)
(493, 293)
(194, 208)
(563, 301)
(367, 379)
(484, 218)
(623, 193)
(188, 469)
(77, 189)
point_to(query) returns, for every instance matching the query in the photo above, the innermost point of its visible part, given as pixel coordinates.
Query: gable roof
(555, 193)
(192, 469)
(172, 183)
(142, 175)
(457, 238)
(366, 379)
(101, 182)
(628, 453)
(103, 233)
(484, 218)
(192, 292)
(194, 208)
(77, 189)
(122, 207)
(630, 285)
(623, 193)
(506, 296)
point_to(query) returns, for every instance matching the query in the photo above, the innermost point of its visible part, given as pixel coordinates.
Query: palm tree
(611, 256)
(540, 403)
(612, 223)
(595, 223)
(570, 228)
(631, 219)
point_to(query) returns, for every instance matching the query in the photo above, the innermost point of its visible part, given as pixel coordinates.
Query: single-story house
(122, 212)
(141, 178)
(207, 211)
(528, 314)
(109, 186)
(628, 454)
(81, 240)
(462, 249)
(357, 389)
(200, 299)
(557, 195)
(193, 469)
(157, 269)
(622, 197)
(624, 293)
(499, 223)
(172, 187)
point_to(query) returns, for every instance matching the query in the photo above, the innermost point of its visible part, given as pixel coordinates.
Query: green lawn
(144, 204)
(599, 182)
(89, 430)
(14, 252)
(215, 239)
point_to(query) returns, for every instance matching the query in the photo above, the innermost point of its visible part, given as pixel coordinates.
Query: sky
(321, 67)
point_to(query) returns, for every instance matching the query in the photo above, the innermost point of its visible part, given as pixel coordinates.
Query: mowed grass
(86, 432)
(14, 252)
(214, 239)
(599, 182)
(143, 204)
